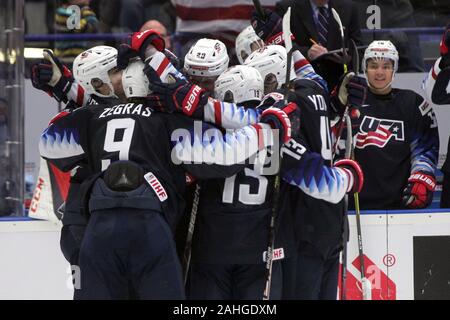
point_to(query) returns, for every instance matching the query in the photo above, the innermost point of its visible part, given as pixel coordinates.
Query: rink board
(406, 257)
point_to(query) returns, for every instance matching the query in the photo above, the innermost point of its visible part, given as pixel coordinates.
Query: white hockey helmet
(206, 58)
(380, 49)
(246, 42)
(135, 83)
(95, 63)
(239, 84)
(271, 59)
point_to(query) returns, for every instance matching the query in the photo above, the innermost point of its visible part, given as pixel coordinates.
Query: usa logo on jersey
(378, 132)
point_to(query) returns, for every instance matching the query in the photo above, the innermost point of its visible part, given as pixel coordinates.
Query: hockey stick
(188, 245)
(365, 283)
(353, 48)
(259, 9)
(348, 152)
(270, 247)
(341, 29)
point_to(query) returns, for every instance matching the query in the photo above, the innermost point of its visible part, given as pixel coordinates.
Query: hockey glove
(354, 173)
(445, 48)
(141, 40)
(351, 90)
(124, 55)
(180, 96)
(52, 76)
(269, 28)
(419, 191)
(281, 118)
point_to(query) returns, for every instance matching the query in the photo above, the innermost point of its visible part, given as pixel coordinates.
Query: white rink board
(33, 267)
(388, 236)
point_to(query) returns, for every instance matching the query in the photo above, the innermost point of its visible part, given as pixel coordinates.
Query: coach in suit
(317, 32)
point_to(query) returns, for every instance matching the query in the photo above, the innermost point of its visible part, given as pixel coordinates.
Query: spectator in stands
(134, 13)
(160, 28)
(317, 32)
(397, 14)
(68, 21)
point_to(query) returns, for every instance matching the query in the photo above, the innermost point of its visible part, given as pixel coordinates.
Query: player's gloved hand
(419, 190)
(354, 172)
(180, 96)
(124, 55)
(141, 40)
(351, 91)
(281, 117)
(445, 48)
(269, 100)
(52, 76)
(269, 28)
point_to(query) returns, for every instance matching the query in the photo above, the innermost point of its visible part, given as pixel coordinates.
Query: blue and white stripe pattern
(58, 142)
(206, 144)
(304, 70)
(316, 179)
(424, 152)
(229, 115)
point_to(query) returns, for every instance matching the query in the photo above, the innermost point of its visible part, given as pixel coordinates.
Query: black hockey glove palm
(354, 173)
(269, 28)
(419, 191)
(52, 76)
(281, 117)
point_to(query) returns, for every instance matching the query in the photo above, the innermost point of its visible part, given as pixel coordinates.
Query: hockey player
(246, 42)
(396, 140)
(232, 225)
(318, 223)
(125, 211)
(96, 70)
(437, 89)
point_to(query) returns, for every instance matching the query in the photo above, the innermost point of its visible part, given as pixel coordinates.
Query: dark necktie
(322, 25)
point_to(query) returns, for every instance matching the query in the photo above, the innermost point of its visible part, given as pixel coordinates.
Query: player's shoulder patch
(425, 107)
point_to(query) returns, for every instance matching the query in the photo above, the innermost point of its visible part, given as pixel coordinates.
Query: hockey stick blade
(366, 289)
(341, 29)
(287, 37)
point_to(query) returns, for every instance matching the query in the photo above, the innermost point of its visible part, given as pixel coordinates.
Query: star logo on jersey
(378, 132)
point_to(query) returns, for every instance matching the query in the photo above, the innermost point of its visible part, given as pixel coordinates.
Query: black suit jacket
(303, 28)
